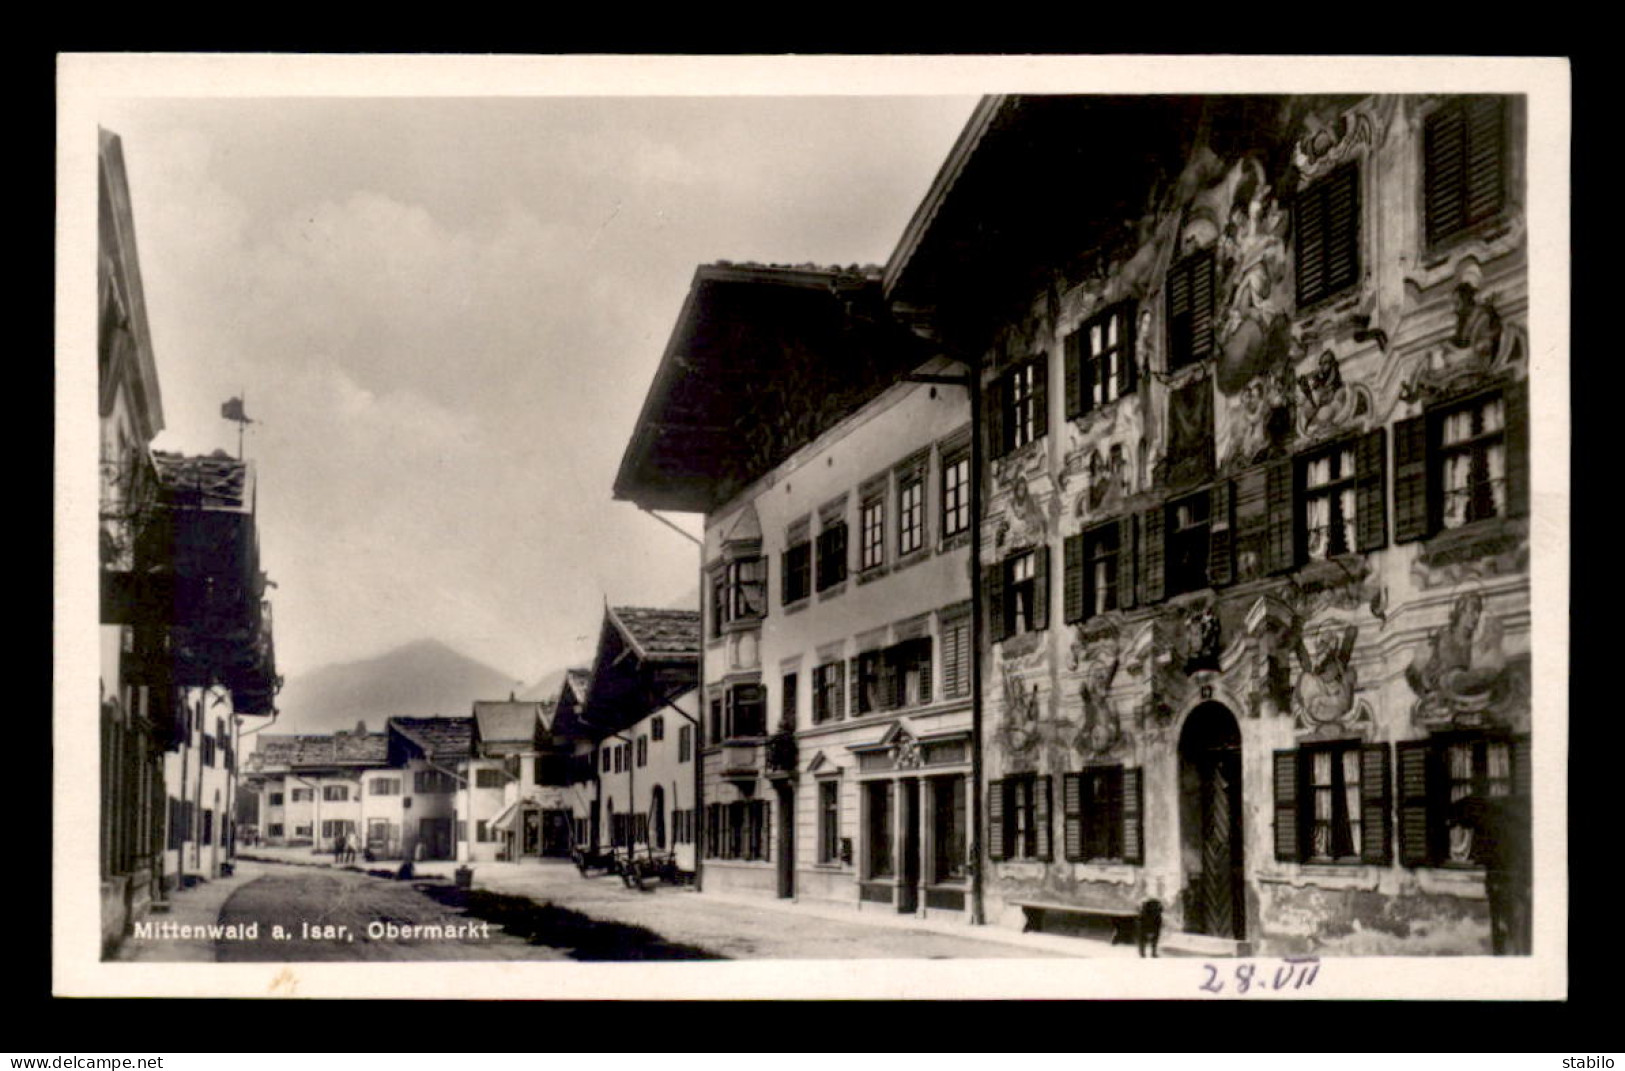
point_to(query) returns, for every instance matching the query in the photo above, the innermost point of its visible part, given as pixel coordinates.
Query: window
(1332, 803)
(787, 701)
(1190, 310)
(1102, 815)
(301, 831)
(872, 529)
(482, 831)
(911, 512)
(1462, 463)
(1018, 593)
(829, 690)
(620, 758)
(1326, 227)
(1018, 406)
(716, 720)
(878, 826)
(1099, 570)
(948, 829)
(737, 830)
(433, 782)
(386, 786)
(333, 828)
(746, 711)
(719, 601)
(643, 751)
(1328, 504)
(276, 799)
(1457, 792)
(956, 656)
(208, 825)
(831, 554)
(955, 493)
(829, 821)
(302, 795)
(867, 683)
(685, 743)
(335, 793)
(208, 750)
(274, 829)
(1019, 818)
(1100, 361)
(607, 755)
(489, 779)
(747, 578)
(1187, 555)
(797, 571)
(657, 728)
(1464, 163)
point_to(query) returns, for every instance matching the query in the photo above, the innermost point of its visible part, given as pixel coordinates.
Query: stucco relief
(1323, 699)
(1328, 406)
(1327, 143)
(1481, 346)
(1465, 677)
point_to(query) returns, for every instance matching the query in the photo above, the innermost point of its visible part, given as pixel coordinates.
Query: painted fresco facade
(1256, 540)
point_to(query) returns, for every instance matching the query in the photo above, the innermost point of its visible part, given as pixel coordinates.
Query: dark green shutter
(1072, 815)
(1287, 848)
(1370, 490)
(1414, 760)
(1133, 816)
(1072, 586)
(1279, 546)
(1041, 588)
(1072, 369)
(1126, 553)
(1041, 817)
(1250, 494)
(995, 820)
(1411, 520)
(1152, 575)
(1376, 839)
(1040, 396)
(993, 598)
(1221, 545)
(1517, 448)
(993, 417)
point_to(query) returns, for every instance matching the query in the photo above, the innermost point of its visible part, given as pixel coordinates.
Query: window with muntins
(1017, 593)
(1332, 804)
(910, 513)
(1458, 795)
(747, 711)
(1464, 145)
(829, 821)
(831, 555)
(1019, 818)
(1326, 247)
(337, 793)
(798, 572)
(1100, 361)
(829, 690)
(747, 581)
(872, 526)
(1187, 556)
(1462, 462)
(1329, 511)
(955, 494)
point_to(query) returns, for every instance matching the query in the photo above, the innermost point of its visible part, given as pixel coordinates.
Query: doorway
(787, 840)
(1210, 804)
(908, 878)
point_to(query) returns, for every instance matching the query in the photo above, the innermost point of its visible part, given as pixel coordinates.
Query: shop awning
(504, 820)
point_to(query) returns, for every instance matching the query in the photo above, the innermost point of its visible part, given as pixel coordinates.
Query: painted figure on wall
(1019, 734)
(1465, 670)
(1101, 728)
(1325, 689)
(1255, 333)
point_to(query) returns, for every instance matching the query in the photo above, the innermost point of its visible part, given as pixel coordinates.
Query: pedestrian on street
(338, 849)
(351, 847)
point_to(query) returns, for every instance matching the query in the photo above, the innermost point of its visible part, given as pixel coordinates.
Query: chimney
(361, 727)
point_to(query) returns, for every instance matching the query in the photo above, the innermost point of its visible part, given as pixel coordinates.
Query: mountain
(422, 678)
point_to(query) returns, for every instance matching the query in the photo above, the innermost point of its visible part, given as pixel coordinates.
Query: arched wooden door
(1211, 823)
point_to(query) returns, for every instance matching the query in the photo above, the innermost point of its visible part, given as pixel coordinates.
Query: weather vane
(235, 409)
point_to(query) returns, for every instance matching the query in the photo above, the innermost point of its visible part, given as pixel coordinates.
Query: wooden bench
(1125, 922)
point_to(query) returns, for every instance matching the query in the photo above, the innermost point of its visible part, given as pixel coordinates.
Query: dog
(1149, 929)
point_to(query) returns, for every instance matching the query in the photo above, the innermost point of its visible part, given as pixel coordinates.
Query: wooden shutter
(993, 417)
(993, 598)
(1040, 396)
(1523, 773)
(1202, 306)
(1376, 839)
(1371, 490)
(1444, 143)
(1041, 818)
(995, 820)
(1309, 245)
(1287, 848)
(1221, 544)
(1278, 505)
(1125, 563)
(1328, 236)
(1128, 373)
(1072, 816)
(1411, 512)
(924, 656)
(1072, 601)
(1414, 837)
(1517, 448)
(839, 671)
(1041, 588)
(1250, 505)
(1485, 163)
(1133, 816)
(1152, 573)
(1072, 369)
(1179, 311)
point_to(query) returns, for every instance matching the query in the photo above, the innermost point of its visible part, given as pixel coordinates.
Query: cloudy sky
(445, 314)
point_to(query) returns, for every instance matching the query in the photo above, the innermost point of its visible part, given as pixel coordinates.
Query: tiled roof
(508, 720)
(578, 679)
(661, 633)
(325, 749)
(448, 737)
(215, 480)
(871, 270)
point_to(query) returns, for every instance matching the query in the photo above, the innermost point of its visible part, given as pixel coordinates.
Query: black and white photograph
(824, 527)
